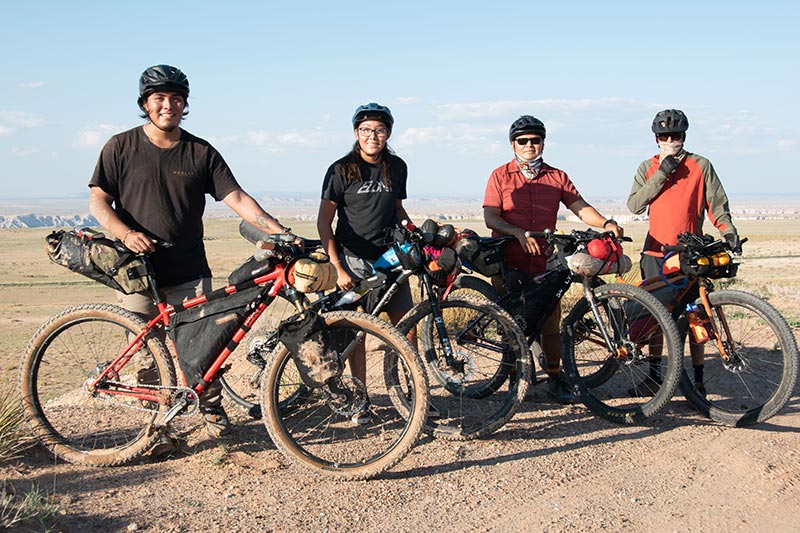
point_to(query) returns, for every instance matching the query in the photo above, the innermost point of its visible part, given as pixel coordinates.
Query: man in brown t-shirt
(150, 183)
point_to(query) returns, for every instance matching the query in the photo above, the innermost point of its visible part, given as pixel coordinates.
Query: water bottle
(699, 331)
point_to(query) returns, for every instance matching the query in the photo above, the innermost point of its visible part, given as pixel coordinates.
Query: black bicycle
(465, 341)
(605, 336)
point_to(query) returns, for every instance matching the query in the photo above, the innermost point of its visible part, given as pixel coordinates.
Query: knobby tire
(64, 353)
(478, 399)
(611, 386)
(317, 433)
(750, 393)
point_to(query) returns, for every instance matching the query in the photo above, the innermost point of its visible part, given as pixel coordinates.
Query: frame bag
(201, 332)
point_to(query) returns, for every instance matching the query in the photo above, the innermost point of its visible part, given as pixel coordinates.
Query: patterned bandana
(671, 148)
(530, 169)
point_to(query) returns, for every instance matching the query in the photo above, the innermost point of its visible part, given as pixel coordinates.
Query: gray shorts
(142, 304)
(362, 269)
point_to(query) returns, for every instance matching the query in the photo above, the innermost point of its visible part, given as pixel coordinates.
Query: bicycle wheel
(759, 378)
(481, 388)
(74, 424)
(314, 428)
(476, 285)
(242, 378)
(638, 377)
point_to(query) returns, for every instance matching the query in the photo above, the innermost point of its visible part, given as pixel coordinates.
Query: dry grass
(35, 509)
(13, 437)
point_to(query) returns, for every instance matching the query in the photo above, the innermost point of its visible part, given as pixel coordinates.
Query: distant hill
(20, 212)
(46, 221)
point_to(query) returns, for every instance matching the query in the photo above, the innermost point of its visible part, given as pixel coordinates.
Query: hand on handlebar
(344, 281)
(138, 242)
(733, 241)
(528, 242)
(616, 229)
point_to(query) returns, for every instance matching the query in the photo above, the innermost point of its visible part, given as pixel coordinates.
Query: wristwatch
(609, 221)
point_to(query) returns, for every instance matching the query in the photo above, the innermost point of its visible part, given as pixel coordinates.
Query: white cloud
(31, 84)
(457, 139)
(5, 132)
(787, 145)
(21, 119)
(545, 107)
(23, 152)
(224, 141)
(281, 142)
(405, 100)
(95, 135)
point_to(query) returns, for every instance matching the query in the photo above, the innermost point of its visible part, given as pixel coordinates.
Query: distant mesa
(46, 221)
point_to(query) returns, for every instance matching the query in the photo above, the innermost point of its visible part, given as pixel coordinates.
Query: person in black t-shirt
(151, 182)
(365, 191)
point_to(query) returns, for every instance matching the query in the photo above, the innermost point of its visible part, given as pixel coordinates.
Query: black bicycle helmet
(670, 121)
(526, 124)
(162, 77)
(373, 111)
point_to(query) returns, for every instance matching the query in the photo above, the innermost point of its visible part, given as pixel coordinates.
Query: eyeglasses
(522, 141)
(380, 133)
(674, 136)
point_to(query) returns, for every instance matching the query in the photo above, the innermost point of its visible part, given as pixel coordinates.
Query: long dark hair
(352, 165)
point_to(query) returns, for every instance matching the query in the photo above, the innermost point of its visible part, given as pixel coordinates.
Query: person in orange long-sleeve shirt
(678, 189)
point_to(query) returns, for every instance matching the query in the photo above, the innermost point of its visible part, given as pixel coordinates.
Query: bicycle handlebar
(688, 242)
(574, 236)
(256, 235)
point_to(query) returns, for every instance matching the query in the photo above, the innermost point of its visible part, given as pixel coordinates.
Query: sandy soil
(553, 468)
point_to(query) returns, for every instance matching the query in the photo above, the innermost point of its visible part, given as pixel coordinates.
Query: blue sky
(274, 84)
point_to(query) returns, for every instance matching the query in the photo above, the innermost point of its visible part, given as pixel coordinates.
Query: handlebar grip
(407, 224)
(252, 233)
(539, 234)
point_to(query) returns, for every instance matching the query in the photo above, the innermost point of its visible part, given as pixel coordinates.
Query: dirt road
(553, 468)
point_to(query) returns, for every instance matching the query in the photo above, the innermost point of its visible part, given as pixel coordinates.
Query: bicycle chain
(194, 401)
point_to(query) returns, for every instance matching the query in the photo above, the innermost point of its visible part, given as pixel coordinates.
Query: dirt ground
(552, 468)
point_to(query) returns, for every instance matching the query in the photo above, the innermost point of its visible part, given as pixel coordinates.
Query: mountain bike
(98, 385)
(464, 341)
(606, 334)
(750, 368)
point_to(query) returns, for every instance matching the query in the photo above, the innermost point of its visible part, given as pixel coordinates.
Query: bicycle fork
(721, 332)
(618, 351)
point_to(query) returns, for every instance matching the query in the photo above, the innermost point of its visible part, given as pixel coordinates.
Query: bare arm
(246, 207)
(101, 207)
(493, 218)
(592, 217)
(401, 211)
(327, 210)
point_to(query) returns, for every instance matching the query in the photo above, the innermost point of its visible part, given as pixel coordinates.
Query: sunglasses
(667, 136)
(522, 141)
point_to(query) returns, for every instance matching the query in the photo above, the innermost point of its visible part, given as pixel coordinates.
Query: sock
(698, 373)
